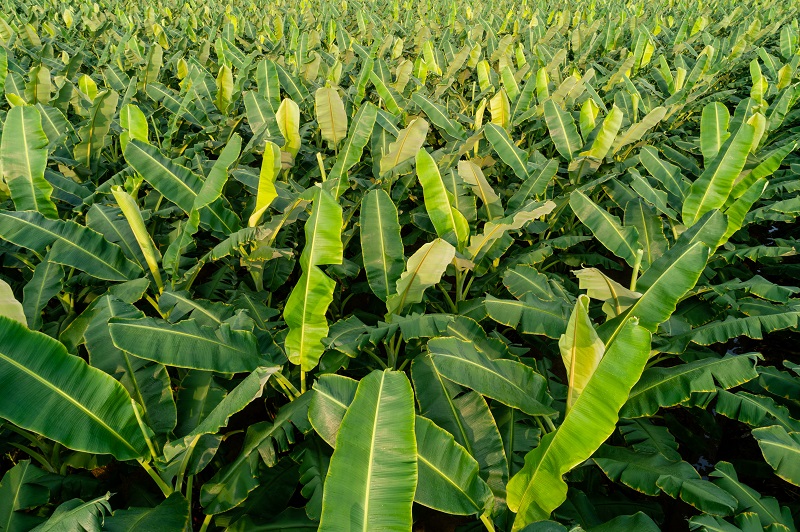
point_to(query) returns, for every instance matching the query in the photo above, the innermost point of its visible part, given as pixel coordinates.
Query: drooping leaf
(72, 244)
(77, 405)
(186, 344)
(507, 381)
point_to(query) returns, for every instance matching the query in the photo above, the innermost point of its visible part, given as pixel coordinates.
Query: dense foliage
(351, 265)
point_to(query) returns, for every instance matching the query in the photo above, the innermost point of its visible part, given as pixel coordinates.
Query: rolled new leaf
(57, 395)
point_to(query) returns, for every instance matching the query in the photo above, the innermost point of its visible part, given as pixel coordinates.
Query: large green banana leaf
(507, 381)
(76, 514)
(57, 395)
(186, 344)
(307, 304)
(381, 244)
(245, 393)
(350, 154)
(373, 475)
(230, 486)
(20, 491)
(539, 488)
(172, 514)
(767, 509)
(449, 479)
(178, 184)
(530, 314)
(73, 244)
(662, 286)
(781, 450)
(712, 188)
(147, 382)
(46, 282)
(665, 387)
(507, 150)
(755, 410)
(562, 130)
(621, 241)
(652, 473)
(714, 122)
(23, 159)
(467, 417)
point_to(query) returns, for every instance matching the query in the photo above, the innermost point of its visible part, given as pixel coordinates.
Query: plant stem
(144, 432)
(163, 486)
(449, 299)
(487, 522)
(376, 358)
(185, 462)
(302, 382)
(550, 424)
(36, 456)
(206, 522)
(288, 386)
